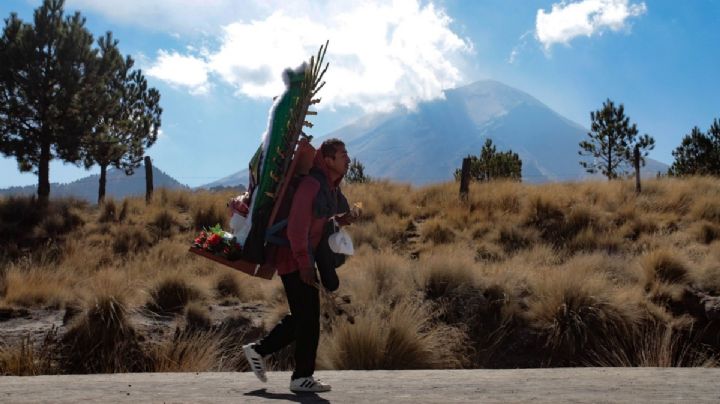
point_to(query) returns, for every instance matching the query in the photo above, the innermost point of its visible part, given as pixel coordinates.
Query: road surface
(563, 385)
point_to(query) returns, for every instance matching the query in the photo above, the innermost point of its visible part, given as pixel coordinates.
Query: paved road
(568, 385)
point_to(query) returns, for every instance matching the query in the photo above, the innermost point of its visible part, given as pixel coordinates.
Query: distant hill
(118, 186)
(239, 178)
(427, 144)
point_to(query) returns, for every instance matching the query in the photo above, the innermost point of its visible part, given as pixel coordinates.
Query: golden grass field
(564, 274)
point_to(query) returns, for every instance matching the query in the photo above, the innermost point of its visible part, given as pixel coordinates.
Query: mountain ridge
(426, 144)
(118, 186)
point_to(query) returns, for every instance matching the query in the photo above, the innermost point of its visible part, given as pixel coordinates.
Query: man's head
(336, 157)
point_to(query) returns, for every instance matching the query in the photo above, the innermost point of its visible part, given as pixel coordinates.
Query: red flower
(213, 240)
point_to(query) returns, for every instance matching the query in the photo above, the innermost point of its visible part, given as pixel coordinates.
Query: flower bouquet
(218, 242)
(222, 247)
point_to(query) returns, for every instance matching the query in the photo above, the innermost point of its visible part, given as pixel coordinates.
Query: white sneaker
(256, 361)
(308, 385)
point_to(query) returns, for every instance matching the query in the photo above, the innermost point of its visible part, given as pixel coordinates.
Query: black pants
(302, 325)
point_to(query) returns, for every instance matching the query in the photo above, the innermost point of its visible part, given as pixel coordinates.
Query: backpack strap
(327, 203)
(271, 235)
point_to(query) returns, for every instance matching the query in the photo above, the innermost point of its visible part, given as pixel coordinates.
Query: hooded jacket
(305, 229)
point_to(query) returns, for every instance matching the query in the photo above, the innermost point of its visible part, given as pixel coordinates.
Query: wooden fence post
(465, 179)
(148, 179)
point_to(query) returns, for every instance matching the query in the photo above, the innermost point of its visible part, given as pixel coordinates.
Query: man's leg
(278, 338)
(304, 302)
(284, 332)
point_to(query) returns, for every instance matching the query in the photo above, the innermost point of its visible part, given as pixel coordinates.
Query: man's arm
(298, 229)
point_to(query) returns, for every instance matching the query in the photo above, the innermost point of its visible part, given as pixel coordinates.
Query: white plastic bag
(341, 243)
(237, 224)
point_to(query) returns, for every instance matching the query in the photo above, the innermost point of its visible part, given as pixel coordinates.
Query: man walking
(316, 200)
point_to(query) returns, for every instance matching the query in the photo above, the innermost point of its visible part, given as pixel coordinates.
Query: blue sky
(217, 64)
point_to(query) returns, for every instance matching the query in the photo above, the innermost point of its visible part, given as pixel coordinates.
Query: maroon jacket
(303, 229)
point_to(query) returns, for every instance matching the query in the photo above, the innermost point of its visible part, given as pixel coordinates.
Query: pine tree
(612, 140)
(492, 164)
(47, 71)
(60, 98)
(699, 153)
(129, 116)
(356, 173)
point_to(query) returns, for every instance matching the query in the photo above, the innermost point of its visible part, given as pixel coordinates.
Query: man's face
(340, 163)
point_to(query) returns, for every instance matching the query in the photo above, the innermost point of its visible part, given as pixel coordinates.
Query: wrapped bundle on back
(284, 153)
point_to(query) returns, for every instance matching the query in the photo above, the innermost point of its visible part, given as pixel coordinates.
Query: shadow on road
(298, 398)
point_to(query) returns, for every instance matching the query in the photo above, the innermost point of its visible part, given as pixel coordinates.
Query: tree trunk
(610, 171)
(465, 179)
(636, 160)
(103, 181)
(44, 174)
(148, 180)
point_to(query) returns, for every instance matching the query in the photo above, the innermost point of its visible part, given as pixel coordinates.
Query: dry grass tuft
(25, 224)
(655, 345)
(171, 295)
(31, 286)
(101, 340)
(444, 272)
(131, 239)
(543, 213)
(3, 281)
(437, 232)
(208, 216)
(707, 208)
(25, 358)
(197, 317)
(59, 218)
(708, 275)
(382, 233)
(382, 197)
(378, 276)
(664, 266)
(513, 238)
(406, 337)
(124, 211)
(488, 252)
(227, 286)
(706, 232)
(108, 212)
(163, 224)
(590, 239)
(199, 351)
(636, 227)
(576, 312)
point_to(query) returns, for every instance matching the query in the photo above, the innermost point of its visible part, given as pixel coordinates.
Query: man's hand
(307, 275)
(348, 218)
(344, 219)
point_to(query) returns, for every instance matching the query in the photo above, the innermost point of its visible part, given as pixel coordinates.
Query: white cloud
(568, 20)
(181, 70)
(380, 54)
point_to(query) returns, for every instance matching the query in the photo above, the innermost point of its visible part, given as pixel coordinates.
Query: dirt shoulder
(577, 385)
